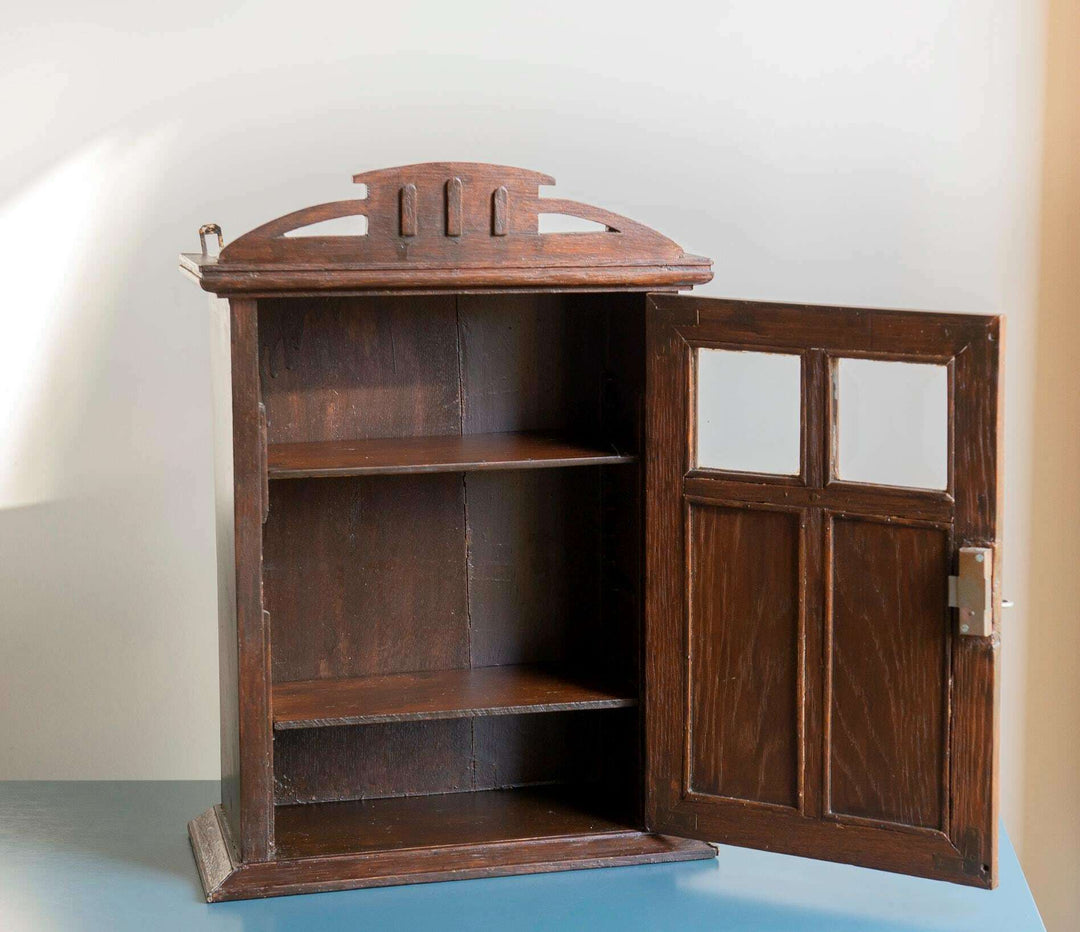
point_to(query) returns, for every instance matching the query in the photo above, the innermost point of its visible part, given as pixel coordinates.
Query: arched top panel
(447, 225)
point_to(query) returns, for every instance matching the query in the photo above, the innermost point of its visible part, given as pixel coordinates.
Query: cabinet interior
(452, 567)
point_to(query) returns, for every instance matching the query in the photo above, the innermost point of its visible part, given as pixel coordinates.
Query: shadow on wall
(100, 499)
(108, 608)
(96, 618)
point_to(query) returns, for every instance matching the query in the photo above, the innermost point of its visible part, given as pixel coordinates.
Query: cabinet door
(812, 475)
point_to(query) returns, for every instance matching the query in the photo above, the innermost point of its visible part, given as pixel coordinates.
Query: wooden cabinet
(487, 607)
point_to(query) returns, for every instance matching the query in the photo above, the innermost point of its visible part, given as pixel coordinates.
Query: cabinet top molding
(446, 226)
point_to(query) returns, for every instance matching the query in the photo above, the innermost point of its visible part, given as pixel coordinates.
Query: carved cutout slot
(565, 223)
(355, 225)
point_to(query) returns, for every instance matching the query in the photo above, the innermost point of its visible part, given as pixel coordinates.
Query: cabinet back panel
(530, 362)
(402, 366)
(448, 756)
(534, 565)
(357, 368)
(366, 575)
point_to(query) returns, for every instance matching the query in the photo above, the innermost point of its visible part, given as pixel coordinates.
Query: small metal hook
(210, 228)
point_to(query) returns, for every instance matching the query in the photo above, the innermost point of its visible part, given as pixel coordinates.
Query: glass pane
(893, 423)
(748, 411)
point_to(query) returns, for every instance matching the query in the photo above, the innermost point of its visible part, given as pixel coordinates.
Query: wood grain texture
(442, 694)
(410, 219)
(400, 759)
(417, 758)
(665, 686)
(225, 542)
(889, 649)
(359, 368)
(977, 407)
(215, 855)
(533, 566)
(366, 576)
(845, 497)
(396, 280)
(529, 363)
(458, 862)
(453, 207)
(743, 666)
(912, 766)
(861, 332)
(454, 453)
(328, 829)
(407, 194)
(256, 827)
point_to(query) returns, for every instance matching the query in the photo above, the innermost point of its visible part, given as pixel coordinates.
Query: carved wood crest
(445, 225)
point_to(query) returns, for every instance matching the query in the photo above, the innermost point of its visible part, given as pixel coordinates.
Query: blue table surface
(115, 856)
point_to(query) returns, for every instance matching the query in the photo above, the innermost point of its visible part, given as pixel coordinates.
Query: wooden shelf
(441, 694)
(490, 816)
(454, 453)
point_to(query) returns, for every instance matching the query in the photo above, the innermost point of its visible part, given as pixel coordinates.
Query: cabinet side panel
(889, 651)
(253, 634)
(744, 649)
(221, 394)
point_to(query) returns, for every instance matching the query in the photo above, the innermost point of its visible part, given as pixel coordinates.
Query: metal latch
(971, 591)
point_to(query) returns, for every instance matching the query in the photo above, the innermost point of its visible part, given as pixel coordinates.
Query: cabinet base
(224, 877)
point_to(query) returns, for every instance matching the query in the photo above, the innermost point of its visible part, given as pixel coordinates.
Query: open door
(822, 582)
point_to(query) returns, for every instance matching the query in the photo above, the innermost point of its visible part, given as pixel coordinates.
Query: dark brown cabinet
(498, 594)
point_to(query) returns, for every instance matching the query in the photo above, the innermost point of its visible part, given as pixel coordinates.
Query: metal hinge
(971, 591)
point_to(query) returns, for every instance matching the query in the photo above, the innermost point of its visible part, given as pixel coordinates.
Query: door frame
(964, 850)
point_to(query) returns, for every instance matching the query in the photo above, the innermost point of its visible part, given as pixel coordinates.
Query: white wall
(841, 152)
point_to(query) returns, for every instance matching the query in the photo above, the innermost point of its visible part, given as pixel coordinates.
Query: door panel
(888, 675)
(744, 630)
(807, 687)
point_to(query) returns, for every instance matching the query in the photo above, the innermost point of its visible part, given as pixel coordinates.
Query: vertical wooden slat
(453, 207)
(667, 428)
(977, 462)
(256, 798)
(816, 469)
(500, 222)
(812, 662)
(816, 401)
(224, 522)
(408, 210)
